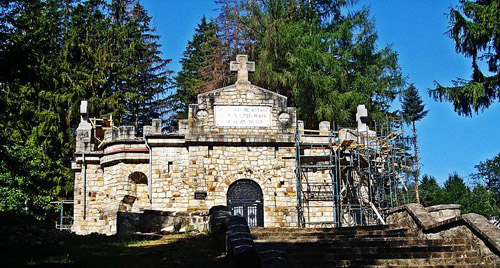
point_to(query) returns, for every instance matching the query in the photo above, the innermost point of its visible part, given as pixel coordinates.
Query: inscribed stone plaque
(243, 116)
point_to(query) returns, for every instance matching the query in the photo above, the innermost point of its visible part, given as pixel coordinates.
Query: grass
(176, 250)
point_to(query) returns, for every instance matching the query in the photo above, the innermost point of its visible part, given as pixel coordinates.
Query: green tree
(149, 78)
(482, 201)
(201, 68)
(413, 111)
(455, 191)
(430, 191)
(322, 56)
(34, 101)
(53, 55)
(488, 172)
(475, 28)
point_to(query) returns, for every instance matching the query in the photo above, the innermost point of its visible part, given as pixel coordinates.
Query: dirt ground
(138, 251)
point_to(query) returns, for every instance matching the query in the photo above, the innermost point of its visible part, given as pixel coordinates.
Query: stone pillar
(127, 132)
(324, 125)
(157, 126)
(147, 131)
(183, 126)
(361, 116)
(84, 131)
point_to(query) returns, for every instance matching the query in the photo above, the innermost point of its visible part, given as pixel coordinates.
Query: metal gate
(244, 198)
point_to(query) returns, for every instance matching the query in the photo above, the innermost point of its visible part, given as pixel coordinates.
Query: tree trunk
(415, 149)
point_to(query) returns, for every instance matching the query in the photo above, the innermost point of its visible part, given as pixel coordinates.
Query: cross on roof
(242, 66)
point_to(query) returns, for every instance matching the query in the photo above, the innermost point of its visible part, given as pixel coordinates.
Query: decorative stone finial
(84, 130)
(83, 111)
(242, 66)
(361, 116)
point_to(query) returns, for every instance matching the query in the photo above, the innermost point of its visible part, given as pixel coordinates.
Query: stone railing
(446, 222)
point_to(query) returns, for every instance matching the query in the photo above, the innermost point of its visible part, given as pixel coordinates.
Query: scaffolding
(347, 177)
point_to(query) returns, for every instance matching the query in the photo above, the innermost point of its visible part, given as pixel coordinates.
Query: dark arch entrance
(244, 198)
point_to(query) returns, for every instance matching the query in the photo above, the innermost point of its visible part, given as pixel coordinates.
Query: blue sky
(415, 29)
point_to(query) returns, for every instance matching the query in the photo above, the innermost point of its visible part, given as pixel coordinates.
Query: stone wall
(173, 173)
(164, 221)
(204, 128)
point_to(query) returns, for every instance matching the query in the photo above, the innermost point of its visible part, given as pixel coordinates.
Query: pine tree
(431, 192)
(53, 55)
(475, 29)
(231, 39)
(149, 76)
(34, 101)
(413, 111)
(200, 68)
(322, 57)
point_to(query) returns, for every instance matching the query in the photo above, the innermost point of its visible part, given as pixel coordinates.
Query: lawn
(139, 251)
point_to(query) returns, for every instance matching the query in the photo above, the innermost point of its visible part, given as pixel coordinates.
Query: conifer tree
(53, 54)
(201, 69)
(323, 57)
(413, 111)
(34, 103)
(475, 29)
(149, 76)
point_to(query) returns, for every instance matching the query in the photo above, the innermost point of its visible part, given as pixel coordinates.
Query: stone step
(331, 235)
(429, 265)
(368, 246)
(417, 262)
(468, 265)
(326, 229)
(378, 252)
(366, 242)
(372, 254)
(414, 262)
(319, 238)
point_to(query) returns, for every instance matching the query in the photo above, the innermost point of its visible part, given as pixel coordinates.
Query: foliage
(413, 110)
(480, 199)
(53, 54)
(412, 105)
(475, 28)
(24, 186)
(430, 191)
(455, 190)
(322, 56)
(488, 172)
(201, 68)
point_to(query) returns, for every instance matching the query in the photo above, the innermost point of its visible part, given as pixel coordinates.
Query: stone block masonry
(238, 139)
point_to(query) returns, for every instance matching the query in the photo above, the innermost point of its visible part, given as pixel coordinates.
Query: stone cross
(242, 66)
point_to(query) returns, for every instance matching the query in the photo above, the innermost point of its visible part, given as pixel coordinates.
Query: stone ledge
(480, 226)
(443, 207)
(421, 216)
(175, 213)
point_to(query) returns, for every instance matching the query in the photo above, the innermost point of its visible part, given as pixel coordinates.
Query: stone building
(237, 148)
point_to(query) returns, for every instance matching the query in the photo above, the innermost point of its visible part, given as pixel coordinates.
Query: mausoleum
(241, 146)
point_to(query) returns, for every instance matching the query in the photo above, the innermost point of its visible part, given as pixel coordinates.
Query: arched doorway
(244, 198)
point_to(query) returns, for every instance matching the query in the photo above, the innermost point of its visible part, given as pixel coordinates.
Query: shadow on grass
(176, 250)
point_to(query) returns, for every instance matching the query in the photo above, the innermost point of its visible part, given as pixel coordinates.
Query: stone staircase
(367, 246)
